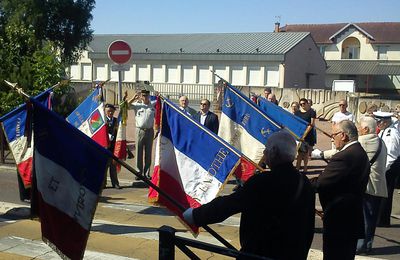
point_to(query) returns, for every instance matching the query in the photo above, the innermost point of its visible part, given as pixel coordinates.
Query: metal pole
(119, 86)
(166, 243)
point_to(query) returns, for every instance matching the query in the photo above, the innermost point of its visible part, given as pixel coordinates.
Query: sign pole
(119, 86)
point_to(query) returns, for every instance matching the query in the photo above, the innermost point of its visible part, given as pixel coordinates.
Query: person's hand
(188, 216)
(316, 154)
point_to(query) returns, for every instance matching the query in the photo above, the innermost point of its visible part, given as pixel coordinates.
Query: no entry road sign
(119, 52)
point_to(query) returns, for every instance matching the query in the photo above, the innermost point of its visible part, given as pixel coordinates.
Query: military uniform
(391, 138)
(145, 114)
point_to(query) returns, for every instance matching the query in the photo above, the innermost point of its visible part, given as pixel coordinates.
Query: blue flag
(244, 125)
(284, 118)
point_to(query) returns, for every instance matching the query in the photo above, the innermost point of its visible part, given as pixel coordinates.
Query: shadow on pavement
(388, 250)
(137, 184)
(122, 229)
(17, 213)
(106, 199)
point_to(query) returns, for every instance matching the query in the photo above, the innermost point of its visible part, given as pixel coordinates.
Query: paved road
(125, 224)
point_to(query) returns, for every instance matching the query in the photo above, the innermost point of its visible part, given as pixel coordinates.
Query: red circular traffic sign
(119, 52)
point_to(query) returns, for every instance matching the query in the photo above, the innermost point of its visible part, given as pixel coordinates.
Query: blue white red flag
(244, 125)
(18, 134)
(285, 119)
(192, 164)
(69, 170)
(89, 118)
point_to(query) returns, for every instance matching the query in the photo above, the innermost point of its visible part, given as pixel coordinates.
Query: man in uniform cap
(391, 137)
(144, 119)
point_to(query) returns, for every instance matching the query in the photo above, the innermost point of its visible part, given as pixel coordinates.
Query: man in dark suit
(341, 187)
(112, 128)
(278, 208)
(206, 117)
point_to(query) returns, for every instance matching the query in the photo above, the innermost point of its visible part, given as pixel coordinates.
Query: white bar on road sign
(120, 67)
(120, 52)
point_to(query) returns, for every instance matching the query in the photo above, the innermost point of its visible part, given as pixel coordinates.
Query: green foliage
(38, 40)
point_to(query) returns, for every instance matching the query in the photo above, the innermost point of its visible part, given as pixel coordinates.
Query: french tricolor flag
(192, 164)
(244, 125)
(19, 138)
(89, 117)
(69, 170)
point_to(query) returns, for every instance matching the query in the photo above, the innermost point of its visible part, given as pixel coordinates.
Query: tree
(38, 40)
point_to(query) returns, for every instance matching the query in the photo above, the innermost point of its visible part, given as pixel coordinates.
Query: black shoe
(117, 187)
(137, 178)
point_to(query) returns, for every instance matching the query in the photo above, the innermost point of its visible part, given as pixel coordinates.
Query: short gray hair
(370, 122)
(349, 128)
(280, 148)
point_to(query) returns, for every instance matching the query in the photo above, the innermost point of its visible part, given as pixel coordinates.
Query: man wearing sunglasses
(206, 117)
(342, 114)
(341, 187)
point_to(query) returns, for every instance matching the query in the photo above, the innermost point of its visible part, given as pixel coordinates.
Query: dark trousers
(371, 205)
(113, 174)
(386, 206)
(339, 246)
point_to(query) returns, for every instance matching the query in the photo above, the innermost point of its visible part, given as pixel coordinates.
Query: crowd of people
(355, 189)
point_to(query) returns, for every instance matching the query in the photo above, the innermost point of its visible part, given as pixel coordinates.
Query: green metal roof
(363, 67)
(203, 43)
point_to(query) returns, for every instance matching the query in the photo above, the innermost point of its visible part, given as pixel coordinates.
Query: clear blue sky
(201, 16)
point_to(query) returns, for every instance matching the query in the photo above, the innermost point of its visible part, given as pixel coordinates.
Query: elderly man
(341, 187)
(184, 106)
(391, 137)
(376, 187)
(272, 98)
(342, 114)
(276, 222)
(206, 117)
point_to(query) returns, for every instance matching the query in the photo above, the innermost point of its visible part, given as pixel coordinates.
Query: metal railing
(168, 240)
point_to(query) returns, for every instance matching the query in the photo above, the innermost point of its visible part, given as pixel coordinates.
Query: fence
(168, 240)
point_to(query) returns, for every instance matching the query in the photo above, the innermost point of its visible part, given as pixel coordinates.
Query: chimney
(277, 24)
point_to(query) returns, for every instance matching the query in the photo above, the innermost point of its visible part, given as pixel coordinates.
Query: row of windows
(190, 74)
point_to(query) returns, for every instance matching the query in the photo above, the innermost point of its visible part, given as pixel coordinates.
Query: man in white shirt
(391, 137)
(343, 114)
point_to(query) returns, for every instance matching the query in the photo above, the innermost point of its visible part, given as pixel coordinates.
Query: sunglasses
(203, 104)
(302, 104)
(342, 105)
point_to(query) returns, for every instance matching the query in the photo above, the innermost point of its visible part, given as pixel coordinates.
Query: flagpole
(322, 131)
(19, 90)
(172, 200)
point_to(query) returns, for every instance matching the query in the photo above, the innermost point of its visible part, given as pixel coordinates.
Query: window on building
(204, 74)
(188, 74)
(173, 74)
(143, 72)
(158, 74)
(351, 48)
(272, 74)
(255, 76)
(238, 75)
(382, 52)
(221, 71)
